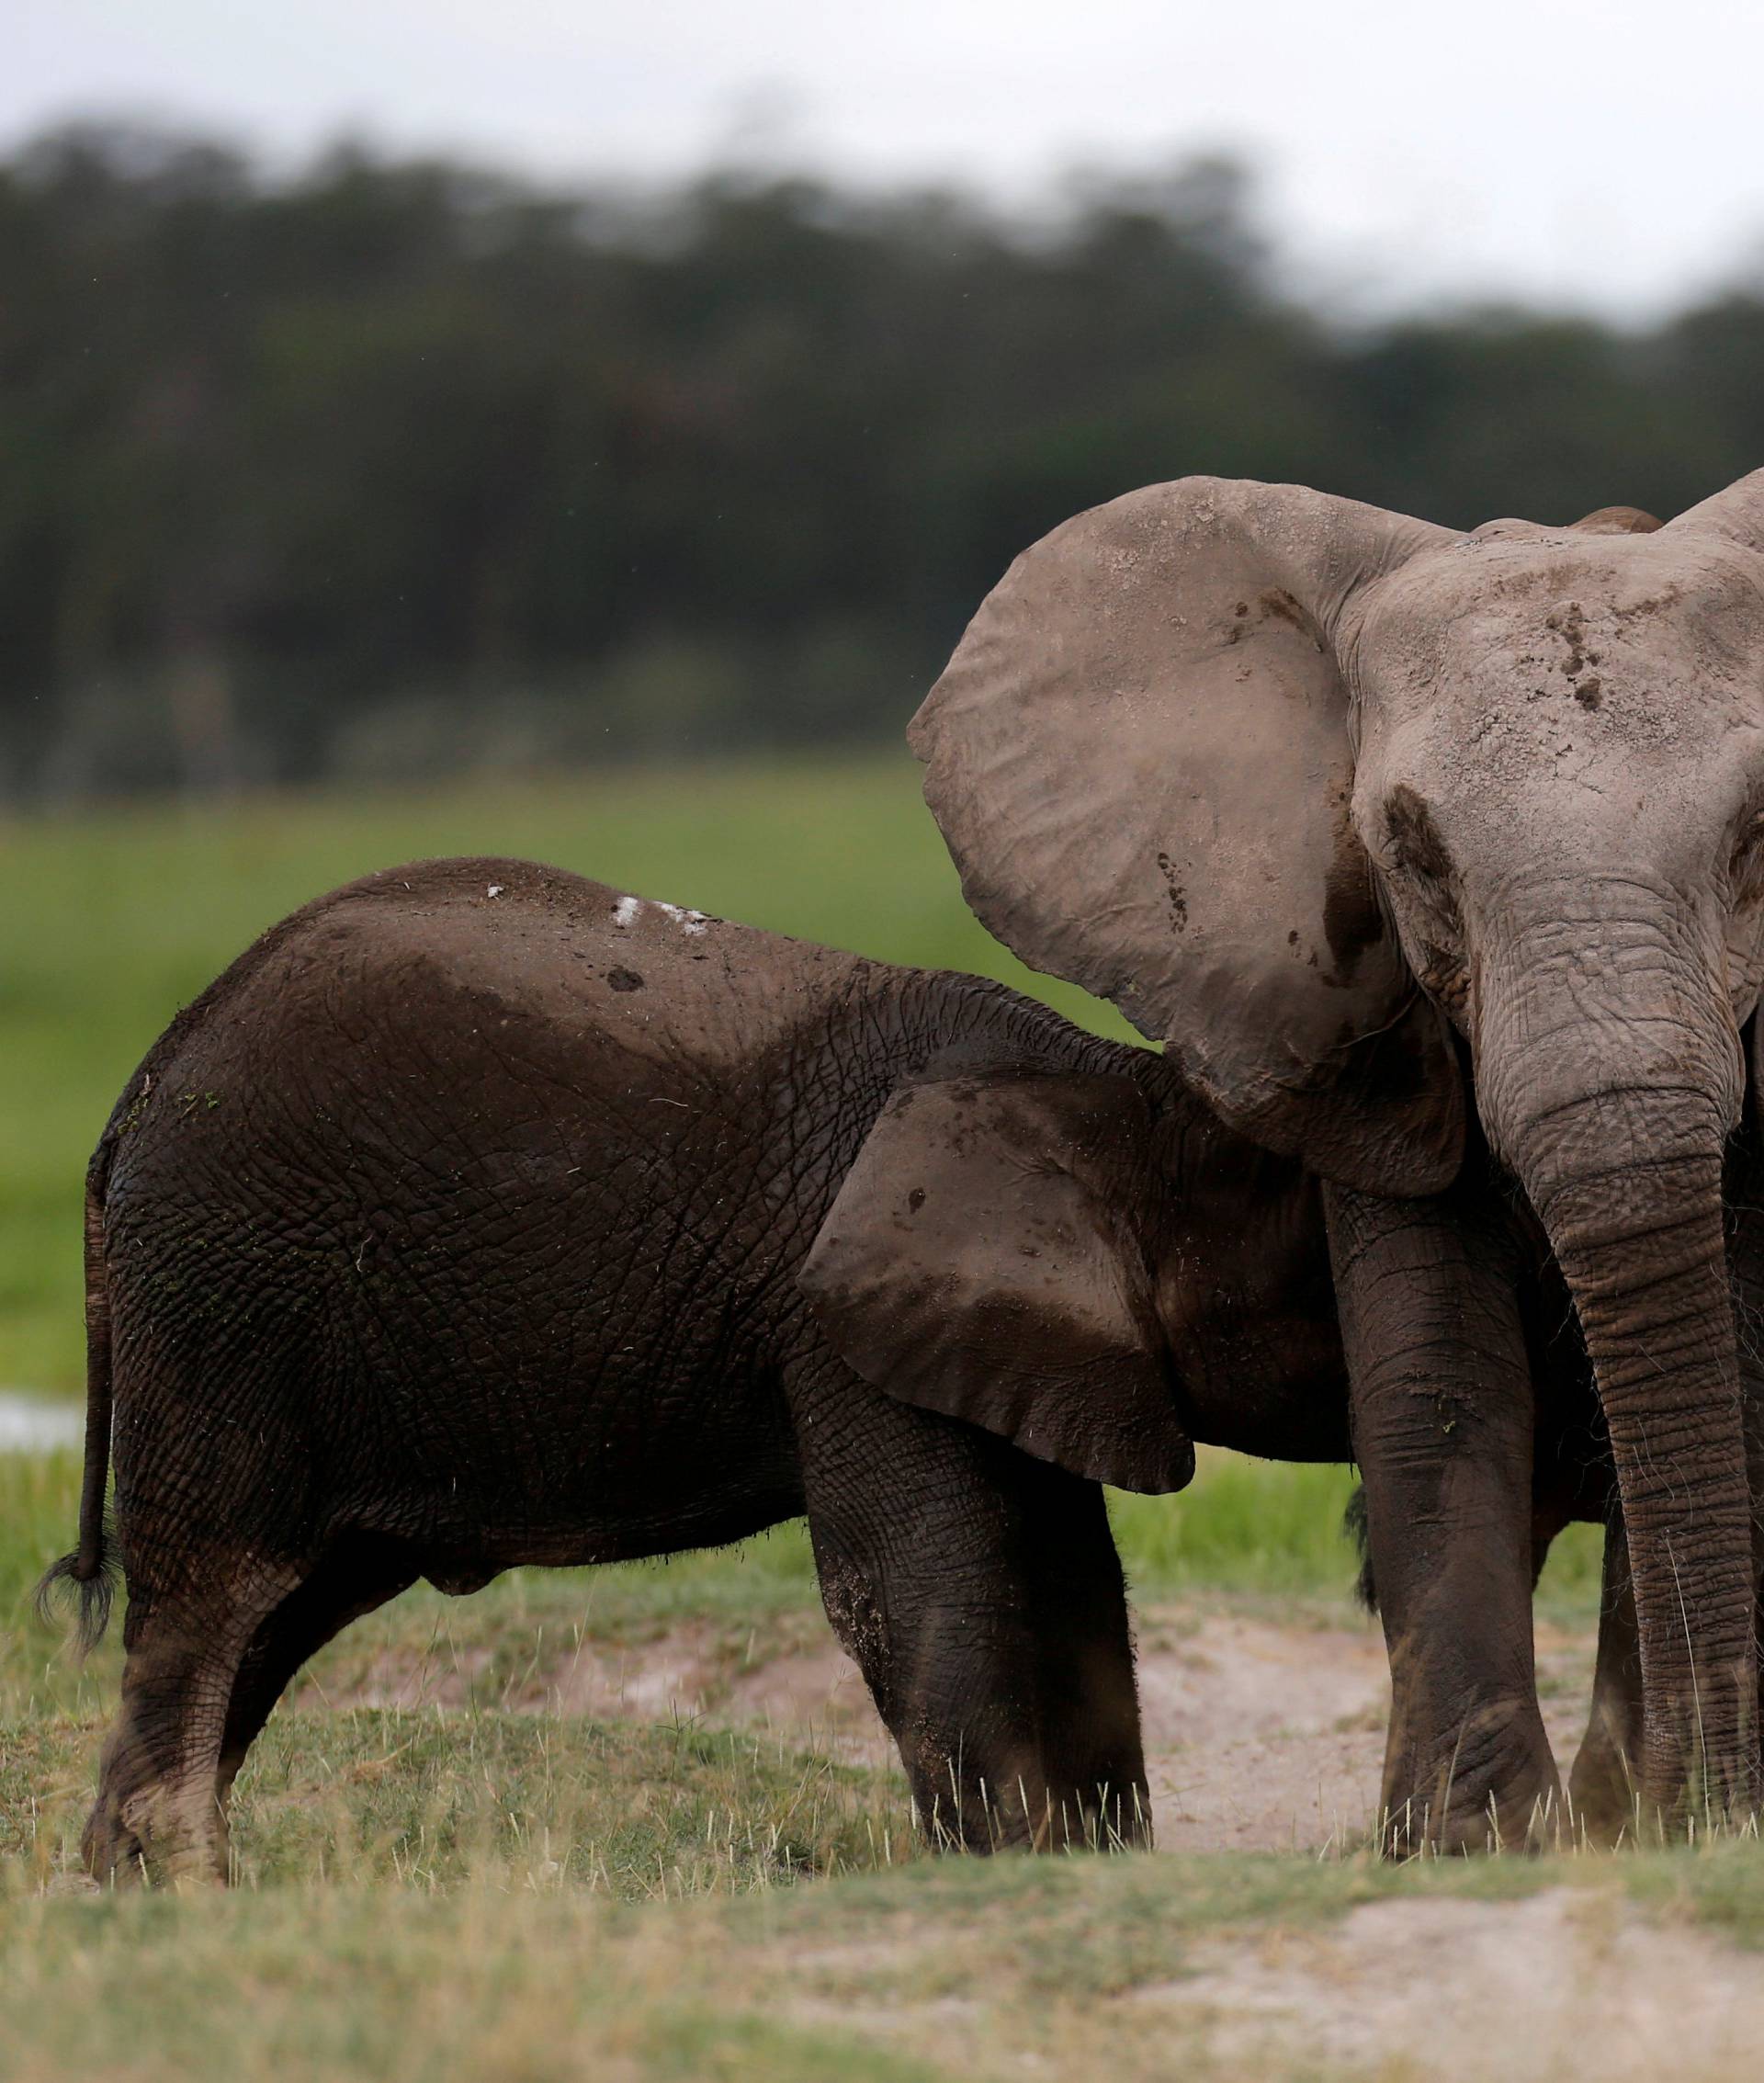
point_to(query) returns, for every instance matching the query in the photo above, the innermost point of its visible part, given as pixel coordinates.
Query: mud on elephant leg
(156, 1816)
(1442, 1418)
(979, 1593)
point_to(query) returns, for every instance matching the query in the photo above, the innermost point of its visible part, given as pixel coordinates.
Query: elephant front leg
(1441, 1398)
(979, 1593)
(1743, 1196)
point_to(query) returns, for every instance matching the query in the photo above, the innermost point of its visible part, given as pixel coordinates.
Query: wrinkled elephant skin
(1406, 841)
(479, 1215)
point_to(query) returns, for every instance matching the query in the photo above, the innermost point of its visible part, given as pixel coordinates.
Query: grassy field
(479, 1883)
(442, 1870)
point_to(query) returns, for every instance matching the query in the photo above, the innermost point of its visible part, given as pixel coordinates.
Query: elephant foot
(1031, 1814)
(158, 1836)
(1493, 1788)
(1603, 1795)
(111, 1852)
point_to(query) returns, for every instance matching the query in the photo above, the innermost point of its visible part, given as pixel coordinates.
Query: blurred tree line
(391, 468)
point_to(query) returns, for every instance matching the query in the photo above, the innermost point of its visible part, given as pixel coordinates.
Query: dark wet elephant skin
(482, 1216)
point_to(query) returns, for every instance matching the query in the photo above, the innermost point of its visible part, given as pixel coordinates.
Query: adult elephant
(1365, 819)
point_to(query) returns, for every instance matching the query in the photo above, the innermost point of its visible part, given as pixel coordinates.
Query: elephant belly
(577, 1447)
(1275, 1387)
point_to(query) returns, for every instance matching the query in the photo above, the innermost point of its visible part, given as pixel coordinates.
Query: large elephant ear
(1736, 516)
(1140, 758)
(983, 1259)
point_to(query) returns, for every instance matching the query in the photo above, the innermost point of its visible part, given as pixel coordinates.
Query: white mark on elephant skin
(626, 911)
(688, 922)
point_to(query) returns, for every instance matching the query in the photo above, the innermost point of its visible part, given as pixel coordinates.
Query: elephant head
(1304, 787)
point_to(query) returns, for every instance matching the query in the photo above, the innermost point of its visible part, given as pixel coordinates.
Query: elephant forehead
(1543, 649)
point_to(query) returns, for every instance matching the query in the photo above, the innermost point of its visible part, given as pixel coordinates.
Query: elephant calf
(479, 1215)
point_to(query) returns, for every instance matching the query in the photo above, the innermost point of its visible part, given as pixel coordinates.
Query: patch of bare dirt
(796, 1681)
(1564, 1985)
(1260, 1734)
(790, 1676)
(1266, 1735)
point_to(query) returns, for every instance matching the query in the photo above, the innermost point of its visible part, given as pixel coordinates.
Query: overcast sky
(1593, 152)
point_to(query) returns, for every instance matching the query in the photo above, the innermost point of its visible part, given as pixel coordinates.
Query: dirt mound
(1260, 1734)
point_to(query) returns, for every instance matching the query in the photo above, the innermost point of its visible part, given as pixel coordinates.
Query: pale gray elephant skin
(1400, 837)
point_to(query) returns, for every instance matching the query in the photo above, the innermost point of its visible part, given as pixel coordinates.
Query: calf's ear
(983, 1259)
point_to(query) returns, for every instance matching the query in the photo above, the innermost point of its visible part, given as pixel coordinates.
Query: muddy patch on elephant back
(1262, 1733)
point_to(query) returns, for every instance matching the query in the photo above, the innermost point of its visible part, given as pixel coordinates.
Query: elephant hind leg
(1603, 1785)
(156, 1815)
(979, 1593)
(358, 1573)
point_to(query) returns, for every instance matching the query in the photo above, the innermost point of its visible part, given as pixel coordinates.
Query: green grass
(924, 1974)
(1257, 1526)
(1258, 1529)
(473, 1888)
(941, 1970)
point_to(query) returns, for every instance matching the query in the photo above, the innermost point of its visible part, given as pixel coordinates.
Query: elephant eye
(1444, 976)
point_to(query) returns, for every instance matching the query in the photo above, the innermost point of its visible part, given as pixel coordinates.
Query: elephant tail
(1353, 1524)
(92, 1567)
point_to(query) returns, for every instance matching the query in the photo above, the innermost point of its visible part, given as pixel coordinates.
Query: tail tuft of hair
(94, 1585)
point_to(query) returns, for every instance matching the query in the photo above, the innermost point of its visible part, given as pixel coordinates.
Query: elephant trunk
(1608, 1081)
